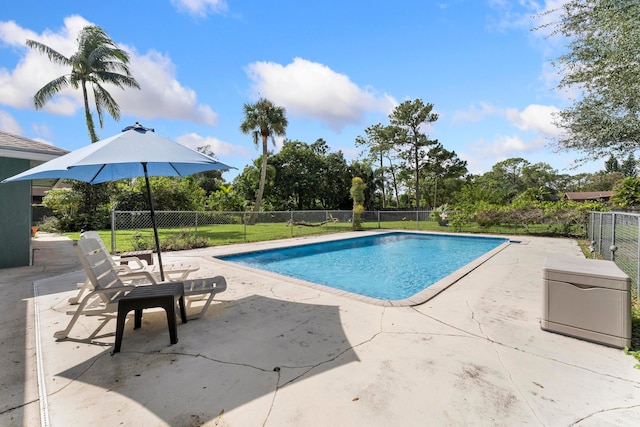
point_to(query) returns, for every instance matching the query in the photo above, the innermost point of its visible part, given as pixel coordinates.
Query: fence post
(613, 237)
(113, 231)
(600, 234)
(417, 219)
(196, 232)
(291, 222)
(638, 263)
(244, 222)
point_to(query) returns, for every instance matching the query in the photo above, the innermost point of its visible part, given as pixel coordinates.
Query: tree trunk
(417, 175)
(87, 113)
(384, 196)
(263, 178)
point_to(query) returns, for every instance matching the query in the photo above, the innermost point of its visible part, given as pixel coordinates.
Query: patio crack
(312, 367)
(602, 411)
(562, 362)
(506, 370)
(473, 317)
(13, 408)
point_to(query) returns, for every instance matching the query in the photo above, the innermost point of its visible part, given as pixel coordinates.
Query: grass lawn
(225, 234)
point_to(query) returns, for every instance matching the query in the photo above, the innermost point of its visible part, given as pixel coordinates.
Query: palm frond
(104, 99)
(117, 79)
(98, 60)
(53, 55)
(49, 90)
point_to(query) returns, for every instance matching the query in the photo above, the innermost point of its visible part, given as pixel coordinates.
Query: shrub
(441, 214)
(489, 217)
(183, 241)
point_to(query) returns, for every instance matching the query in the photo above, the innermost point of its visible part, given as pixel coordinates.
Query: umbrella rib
(97, 173)
(174, 168)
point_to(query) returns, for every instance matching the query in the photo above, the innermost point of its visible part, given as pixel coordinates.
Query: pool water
(391, 266)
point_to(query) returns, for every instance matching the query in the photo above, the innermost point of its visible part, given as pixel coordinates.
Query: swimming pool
(391, 266)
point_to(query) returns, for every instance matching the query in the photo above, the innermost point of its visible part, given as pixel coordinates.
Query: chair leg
(220, 286)
(60, 335)
(85, 286)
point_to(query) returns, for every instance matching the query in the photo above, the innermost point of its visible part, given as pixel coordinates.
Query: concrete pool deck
(273, 353)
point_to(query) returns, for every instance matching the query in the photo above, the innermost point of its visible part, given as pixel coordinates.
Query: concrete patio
(272, 352)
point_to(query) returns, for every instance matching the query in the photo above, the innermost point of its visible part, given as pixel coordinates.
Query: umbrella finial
(137, 126)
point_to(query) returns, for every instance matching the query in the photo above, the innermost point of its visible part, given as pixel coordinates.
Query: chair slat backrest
(94, 235)
(97, 265)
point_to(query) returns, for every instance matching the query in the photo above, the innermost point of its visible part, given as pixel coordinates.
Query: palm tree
(97, 61)
(263, 120)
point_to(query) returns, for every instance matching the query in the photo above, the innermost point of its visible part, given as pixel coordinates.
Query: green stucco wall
(15, 215)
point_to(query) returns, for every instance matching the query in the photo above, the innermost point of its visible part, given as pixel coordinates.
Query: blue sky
(336, 66)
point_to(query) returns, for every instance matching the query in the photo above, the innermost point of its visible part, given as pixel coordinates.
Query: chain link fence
(616, 236)
(132, 230)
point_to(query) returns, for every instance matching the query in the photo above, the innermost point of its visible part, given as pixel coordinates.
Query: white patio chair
(107, 286)
(172, 272)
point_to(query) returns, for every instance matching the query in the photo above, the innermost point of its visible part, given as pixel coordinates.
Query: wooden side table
(145, 255)
(164, 295)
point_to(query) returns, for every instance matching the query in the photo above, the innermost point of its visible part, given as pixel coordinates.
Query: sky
(336, 66)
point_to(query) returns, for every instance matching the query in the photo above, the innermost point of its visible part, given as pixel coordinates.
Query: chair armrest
(134, 275)
(138, 264)
(116, 290)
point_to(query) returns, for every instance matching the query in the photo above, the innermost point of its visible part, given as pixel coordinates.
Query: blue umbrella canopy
(136, 152)
(122, 156)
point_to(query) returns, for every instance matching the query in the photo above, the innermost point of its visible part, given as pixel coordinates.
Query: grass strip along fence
(179, 230)
(132, 230)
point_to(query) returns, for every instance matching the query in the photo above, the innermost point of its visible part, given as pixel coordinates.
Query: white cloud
(9, 124)
(537, 118)
(487, 153)
(219, 147)
(511, 14)
(200, 8)
(162, 95)
(312, 90)
(475, 113)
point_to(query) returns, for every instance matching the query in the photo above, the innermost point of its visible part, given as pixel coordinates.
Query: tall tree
(411, 116)
(441, 164)
(629, 166)
(506, 178)
(379, 141)
(298, 176)
(611, 164)
(602, 64)
(263, 120)
(97, 61)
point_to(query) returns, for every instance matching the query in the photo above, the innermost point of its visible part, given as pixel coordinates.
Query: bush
(523, 216)
(441, 214)
(489, 217)
(183, 241)
(49, 224)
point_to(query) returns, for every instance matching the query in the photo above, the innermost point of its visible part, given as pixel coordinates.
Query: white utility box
(587, 299)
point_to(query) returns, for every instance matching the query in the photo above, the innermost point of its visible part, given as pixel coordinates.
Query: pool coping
(416, 299)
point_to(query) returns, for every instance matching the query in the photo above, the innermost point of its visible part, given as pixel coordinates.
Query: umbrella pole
(153, 220)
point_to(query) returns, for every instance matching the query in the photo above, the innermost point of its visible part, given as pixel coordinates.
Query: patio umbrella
(137, 151)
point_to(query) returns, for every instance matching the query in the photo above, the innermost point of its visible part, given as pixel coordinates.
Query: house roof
(19, 147)
(589, 195)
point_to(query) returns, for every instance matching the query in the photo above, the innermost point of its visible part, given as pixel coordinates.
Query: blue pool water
(391, 266)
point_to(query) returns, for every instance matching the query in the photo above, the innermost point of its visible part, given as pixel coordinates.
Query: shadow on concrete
(241, 353)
